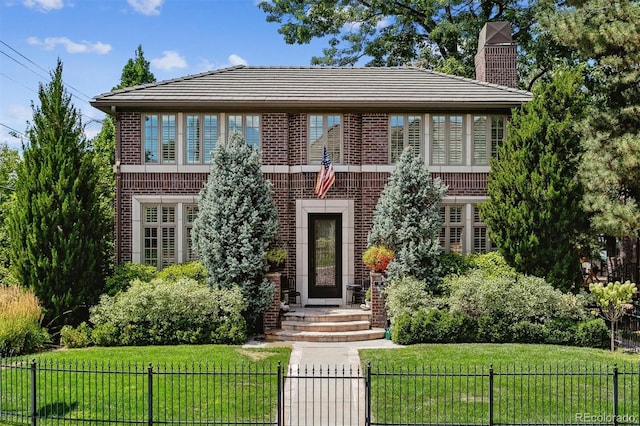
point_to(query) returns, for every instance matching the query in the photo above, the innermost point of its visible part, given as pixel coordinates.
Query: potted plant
(377, 258)
(275, 257)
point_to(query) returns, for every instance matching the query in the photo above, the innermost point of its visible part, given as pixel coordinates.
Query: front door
(325, 256)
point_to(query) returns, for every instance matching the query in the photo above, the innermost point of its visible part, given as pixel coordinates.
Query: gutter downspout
(116, 170)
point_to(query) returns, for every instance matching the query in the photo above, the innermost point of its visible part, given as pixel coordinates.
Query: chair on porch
(293, 293)
(359, 294)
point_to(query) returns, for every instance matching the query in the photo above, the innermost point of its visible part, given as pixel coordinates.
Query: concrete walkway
(324, 384)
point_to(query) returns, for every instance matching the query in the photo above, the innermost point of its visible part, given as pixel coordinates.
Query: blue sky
(95, 38)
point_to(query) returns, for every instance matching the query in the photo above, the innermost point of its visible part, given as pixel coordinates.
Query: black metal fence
(628, 330)
(71, 393)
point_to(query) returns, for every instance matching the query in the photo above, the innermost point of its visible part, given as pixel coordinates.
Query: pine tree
(407, 220)
(606, 36)
(55, 227)
(236, 222)
(534, 212)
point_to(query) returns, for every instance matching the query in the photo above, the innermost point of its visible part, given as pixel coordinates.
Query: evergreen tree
(9, 160)
(236, 222)
(55, 226)
(534, 212)
(135, 72)
(407, 220)
(606, 35)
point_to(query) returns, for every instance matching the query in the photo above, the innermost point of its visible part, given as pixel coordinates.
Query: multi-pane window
(190, 214)
(325, 131)
(488, 133)
(405, 131)
(159, 136)
(447, 140)
(248, 125)
(481, 243)
(451, 233)
(201, 136)
(159, 235)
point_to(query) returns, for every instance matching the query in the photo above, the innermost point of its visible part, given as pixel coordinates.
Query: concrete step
(332, 326)
(320, 316)
(325, 336)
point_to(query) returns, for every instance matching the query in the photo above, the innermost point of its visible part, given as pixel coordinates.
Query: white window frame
(202, 130)
(448, 150)
(334, 155)
(406, 135)
(481, 227)
(189, 254)
(245, 120)
(165, 221)
(137, 225)
(160, 137)
(491, 136)
(447, 235)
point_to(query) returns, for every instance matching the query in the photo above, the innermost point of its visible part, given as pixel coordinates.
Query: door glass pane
(325, 253)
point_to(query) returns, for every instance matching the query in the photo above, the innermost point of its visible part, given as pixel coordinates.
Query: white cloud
(83, 46)
(170, 60)
(236, 60)
(44, 5)
(146, 7)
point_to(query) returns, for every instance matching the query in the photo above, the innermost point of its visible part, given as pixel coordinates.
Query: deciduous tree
(236, 222)
(56, 231)
(441, 35)
(614, 300)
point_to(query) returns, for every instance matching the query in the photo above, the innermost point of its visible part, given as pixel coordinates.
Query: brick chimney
(496, 57)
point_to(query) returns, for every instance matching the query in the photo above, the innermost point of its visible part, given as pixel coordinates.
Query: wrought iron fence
(628, 330)
(69, 393)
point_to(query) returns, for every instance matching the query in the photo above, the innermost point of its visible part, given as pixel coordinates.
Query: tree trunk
(613, 334)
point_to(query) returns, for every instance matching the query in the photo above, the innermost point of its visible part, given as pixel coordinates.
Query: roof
(305, 88)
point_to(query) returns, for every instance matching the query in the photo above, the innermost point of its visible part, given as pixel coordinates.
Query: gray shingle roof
(285, 88)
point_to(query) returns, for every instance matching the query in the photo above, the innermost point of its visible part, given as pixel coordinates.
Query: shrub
(20, 316)
(193, 270)
(79, 337)
(170, 312)
(519, 298)
(453, 263)
(127, 272)
(593, 333)
(433, 326)
(528, 332)
(377, 258)
(406, 294)
(562, 331)
(491, 264)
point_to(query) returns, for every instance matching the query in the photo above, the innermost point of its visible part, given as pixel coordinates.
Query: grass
(449, 384)
(194, 383)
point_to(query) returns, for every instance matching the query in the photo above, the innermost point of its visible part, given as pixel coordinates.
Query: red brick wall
(284, 142)
(151, 184)
(130, 145)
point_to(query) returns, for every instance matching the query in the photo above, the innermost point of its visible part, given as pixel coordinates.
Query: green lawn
(531, 384)
(194, 383)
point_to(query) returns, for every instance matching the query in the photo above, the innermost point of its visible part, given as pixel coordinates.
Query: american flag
(326, 176)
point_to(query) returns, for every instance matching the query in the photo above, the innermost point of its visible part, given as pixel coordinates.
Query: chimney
(496, 57)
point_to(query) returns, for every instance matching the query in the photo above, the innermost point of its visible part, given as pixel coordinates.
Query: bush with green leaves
(406, 294)
(523, 298)
(125, 273)
(433, 326)
(194, 270)
(454, 263)
(164, 312)
(78, 337)
(491, 264)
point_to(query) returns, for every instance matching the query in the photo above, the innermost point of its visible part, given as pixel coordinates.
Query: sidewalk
(324, 384)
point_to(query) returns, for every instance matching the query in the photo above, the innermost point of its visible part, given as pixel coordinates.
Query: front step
(326, 325)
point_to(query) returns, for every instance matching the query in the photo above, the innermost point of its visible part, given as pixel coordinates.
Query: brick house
(364, 116)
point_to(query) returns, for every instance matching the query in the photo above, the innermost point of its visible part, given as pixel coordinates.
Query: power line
(87, 97)
(17, 132)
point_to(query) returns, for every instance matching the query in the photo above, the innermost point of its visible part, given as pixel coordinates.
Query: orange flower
(377, 258)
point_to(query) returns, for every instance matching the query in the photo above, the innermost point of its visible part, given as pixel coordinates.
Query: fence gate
(323, 396)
